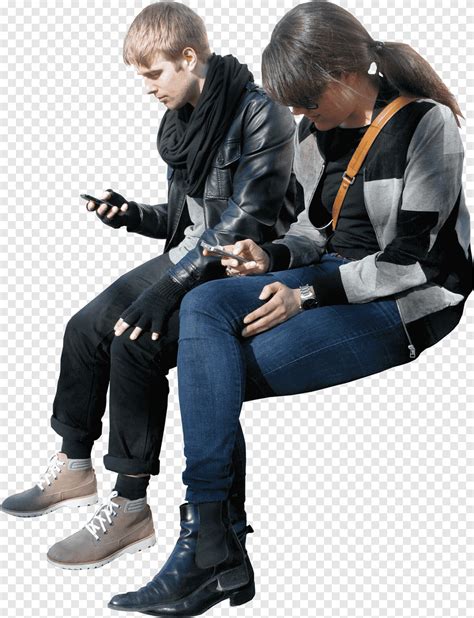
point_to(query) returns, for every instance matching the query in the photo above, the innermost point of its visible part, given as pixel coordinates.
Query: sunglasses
(308, 105)
(303, 105)
(308, 102)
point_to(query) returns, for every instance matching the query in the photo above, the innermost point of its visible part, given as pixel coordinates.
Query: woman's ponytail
(410, 73)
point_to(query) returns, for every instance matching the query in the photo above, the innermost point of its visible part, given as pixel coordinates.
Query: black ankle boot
(207, 566)
(237, 515)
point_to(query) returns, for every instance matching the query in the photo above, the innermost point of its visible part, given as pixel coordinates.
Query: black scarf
(189, 137)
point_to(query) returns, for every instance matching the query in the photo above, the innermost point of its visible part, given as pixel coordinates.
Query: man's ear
(190, 57)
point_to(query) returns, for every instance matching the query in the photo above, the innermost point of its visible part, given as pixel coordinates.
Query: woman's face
(339, 105)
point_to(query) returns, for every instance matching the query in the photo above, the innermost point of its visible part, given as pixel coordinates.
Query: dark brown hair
(167, 28)
(314, 43)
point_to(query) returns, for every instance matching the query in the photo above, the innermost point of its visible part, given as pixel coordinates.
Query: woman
(323, 306)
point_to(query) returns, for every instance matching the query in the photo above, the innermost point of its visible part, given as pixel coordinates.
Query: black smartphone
(218, 250)
(91, 198)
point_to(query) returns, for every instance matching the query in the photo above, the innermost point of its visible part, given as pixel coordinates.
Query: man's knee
(97, 318)
(142, 353)
(80, 324)
(123, 347)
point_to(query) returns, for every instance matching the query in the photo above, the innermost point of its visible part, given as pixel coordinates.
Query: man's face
(171, 82)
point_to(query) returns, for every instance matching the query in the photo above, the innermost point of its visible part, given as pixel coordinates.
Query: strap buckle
(348, 178)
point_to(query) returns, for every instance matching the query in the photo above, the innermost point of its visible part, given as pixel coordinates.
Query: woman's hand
(284, 304)
(248, 249)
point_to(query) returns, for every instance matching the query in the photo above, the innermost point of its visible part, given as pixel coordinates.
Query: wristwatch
(308, 297)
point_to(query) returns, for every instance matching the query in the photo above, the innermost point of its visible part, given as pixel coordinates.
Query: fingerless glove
(152, 308)
(130, 218)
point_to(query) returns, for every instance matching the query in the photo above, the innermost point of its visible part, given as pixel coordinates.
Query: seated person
(330, 301)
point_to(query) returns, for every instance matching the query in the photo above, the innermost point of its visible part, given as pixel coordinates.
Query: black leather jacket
(249, 192)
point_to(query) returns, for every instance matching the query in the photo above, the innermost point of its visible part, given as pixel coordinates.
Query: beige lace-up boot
(66, 482)
(117, 527)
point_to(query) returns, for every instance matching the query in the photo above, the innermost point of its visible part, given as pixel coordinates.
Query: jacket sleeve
(414, 256)
(260, 182)
(153, 220)
(302, 244)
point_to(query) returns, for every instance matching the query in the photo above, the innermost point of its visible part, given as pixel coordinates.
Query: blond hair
(166, 28)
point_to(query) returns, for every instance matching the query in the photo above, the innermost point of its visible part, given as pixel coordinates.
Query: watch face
(308, 297)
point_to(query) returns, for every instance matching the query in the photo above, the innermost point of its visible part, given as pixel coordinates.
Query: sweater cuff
(279, 254)
(137, 220)
(171, 287)
(329, 289)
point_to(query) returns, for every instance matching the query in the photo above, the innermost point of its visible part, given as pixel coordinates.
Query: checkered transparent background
(361, 496)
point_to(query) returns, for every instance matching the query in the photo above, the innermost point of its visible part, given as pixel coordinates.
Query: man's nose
(149, 85)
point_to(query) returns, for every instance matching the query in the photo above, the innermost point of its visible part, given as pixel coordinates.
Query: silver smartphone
(219, 250)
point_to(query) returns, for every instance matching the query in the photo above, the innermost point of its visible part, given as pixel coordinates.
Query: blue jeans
(219, 369)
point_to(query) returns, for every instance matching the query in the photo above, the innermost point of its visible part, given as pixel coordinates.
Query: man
(229, 151)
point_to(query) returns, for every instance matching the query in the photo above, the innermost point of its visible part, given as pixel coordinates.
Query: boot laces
(106, 509)
(54, 467)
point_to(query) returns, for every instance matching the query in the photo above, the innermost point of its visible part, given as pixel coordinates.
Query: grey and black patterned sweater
(412, 187)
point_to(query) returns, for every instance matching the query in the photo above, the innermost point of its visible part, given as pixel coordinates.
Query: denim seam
(373, 332)
(240, 359)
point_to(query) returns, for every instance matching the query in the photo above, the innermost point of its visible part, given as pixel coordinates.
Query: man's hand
(151, 309)
(283, 304)
(117, 212)
(249, 250)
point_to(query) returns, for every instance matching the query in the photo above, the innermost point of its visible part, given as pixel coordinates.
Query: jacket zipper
(411, 347)
(177, 220)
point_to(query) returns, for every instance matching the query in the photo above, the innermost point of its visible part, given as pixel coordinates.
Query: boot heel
(234, 578)
(239, 597)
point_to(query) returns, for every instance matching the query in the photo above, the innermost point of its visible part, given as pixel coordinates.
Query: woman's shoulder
(435, 111)
(442, 113)
(436, 120)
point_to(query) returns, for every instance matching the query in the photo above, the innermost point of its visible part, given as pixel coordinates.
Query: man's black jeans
(93, 357)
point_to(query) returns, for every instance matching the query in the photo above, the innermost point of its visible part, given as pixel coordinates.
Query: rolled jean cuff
(73, 433)
(196, 497)
(122, 465)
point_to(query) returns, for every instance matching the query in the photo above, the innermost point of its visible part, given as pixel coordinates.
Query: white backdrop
(360, 495)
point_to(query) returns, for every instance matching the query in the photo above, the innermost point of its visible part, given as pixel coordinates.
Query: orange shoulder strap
(362, 149)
